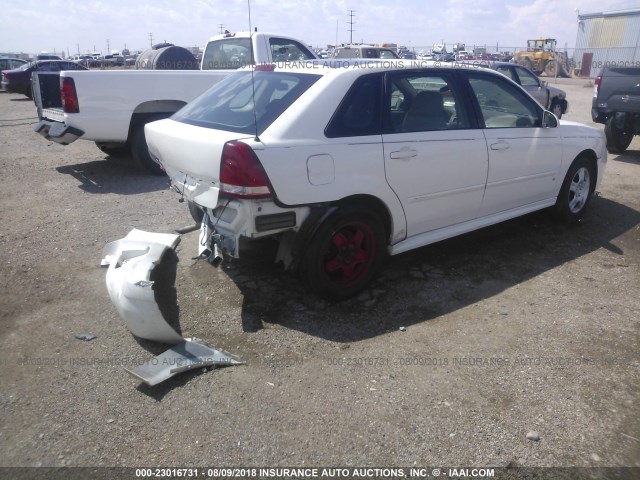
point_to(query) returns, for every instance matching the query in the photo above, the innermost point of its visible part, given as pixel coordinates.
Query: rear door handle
(404, 152)
(501, 145)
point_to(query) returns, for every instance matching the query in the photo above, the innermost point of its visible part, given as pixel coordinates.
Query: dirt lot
(527, 326)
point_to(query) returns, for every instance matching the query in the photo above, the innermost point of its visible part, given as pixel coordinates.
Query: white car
(346, 166)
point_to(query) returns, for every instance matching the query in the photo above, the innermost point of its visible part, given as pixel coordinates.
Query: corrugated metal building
(607, 38)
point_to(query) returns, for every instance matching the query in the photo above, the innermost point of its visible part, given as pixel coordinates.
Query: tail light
(241, 173)
(69, 96)
(596, 86)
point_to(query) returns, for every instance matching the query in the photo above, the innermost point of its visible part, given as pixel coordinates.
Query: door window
(527, 79)
(423, 102)
(502, 105)
(505, 70)
(285, 50)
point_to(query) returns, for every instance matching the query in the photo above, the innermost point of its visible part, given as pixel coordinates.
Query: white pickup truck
(112, 107)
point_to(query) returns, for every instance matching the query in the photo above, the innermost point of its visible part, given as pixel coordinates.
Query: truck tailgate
(620, 90)
(46, 95)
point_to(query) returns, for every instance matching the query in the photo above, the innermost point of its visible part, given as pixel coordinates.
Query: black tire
(618, 140)
(526, 63)
(577, 189)
(140, 151)
(196, 212)
(556, 109)
(344, 254)
(121, 151)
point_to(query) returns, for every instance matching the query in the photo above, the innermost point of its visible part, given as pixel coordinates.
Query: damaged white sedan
(345, 166)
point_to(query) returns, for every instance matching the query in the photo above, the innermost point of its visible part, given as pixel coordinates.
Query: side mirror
(549, 120)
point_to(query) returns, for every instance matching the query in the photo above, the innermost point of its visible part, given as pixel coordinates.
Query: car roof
(337, 66)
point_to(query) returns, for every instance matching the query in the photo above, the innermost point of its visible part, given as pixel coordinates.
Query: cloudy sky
(34, 26)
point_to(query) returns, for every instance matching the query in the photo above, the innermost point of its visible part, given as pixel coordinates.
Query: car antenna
(253, 86)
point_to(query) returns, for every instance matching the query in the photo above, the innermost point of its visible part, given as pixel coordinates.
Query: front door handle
(501, 145)
(404, 152)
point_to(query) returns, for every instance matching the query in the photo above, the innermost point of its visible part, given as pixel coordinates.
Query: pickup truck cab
(111, 108)
(616, 104)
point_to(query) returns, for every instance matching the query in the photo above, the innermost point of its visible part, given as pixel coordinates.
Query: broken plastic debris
(86, 337)
(187, 355)
(131, 260)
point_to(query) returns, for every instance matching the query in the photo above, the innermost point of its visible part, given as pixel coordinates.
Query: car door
(435, 161)
(524, 157)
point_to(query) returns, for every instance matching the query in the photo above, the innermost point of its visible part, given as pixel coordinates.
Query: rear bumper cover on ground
(58, 132)
(131, 261)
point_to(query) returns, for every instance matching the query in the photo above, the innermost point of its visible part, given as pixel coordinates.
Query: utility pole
(221, 25)
(108, 49)
(78, 49)
(351, 15)
(151, 39)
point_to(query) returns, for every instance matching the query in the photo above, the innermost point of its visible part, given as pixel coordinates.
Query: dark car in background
(19, 80)
(551, 98)
(7, 63)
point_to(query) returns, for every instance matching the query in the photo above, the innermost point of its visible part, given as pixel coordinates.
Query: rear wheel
(344, 254)
(140, 151)
(618, 140)
(114, 151)
(576, 191)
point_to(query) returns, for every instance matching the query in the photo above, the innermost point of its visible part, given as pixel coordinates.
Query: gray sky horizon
(35, 26)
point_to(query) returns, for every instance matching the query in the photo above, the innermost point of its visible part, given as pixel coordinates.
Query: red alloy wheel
(350, 255)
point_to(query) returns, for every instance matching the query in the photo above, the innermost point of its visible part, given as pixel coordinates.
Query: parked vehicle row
(18, 80)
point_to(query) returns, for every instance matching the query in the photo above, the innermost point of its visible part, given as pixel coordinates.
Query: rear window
(229, 104)
(227, 54)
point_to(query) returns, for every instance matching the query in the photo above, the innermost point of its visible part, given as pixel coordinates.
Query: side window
(424, 102)
(284, 50)
(359, 112)
(505, 70)
(502, 104)
(347, 53)
(227, 54)
(527, 79)
(387, 54)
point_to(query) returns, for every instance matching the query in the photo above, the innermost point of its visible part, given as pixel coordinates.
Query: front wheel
(344, 254)
(556, 109)
(576, 191)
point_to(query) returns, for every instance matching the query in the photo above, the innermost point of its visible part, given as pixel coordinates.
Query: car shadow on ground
(412, 288)
(114, 175)
(630, 156)
(431, 281)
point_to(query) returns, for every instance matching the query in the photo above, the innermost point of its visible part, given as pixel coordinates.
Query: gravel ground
(455, 354)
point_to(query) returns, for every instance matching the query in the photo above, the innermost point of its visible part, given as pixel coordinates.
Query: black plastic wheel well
(592, 158)
(369, 203)
(144, 117)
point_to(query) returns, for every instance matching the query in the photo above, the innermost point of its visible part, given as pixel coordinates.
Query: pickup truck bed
(111, 108)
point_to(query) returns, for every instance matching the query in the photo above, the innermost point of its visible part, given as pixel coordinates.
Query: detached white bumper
(131, 260)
